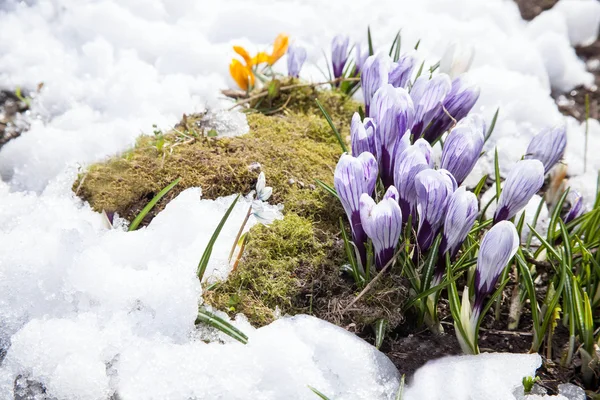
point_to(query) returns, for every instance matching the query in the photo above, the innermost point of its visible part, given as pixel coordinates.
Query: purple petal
(339, 54)
(463, 146)
(433, 190)
(373, 76)
(428, 95)
(296, 58)
(401, 71)
(362, 135)
(523, 181)
(548, 146)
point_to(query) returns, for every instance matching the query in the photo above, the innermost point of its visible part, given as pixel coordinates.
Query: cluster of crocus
(435, 104)
(244, 73)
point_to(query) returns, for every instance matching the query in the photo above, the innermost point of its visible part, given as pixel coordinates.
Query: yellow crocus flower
(279, 48)
(241, 74)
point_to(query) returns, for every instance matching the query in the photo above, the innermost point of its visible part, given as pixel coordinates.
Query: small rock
(291, 181)
(254, 167)
(10, 108)
(301, 184)
(571, 392)
(312, 187)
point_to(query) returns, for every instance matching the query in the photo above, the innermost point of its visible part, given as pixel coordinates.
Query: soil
(11, 122)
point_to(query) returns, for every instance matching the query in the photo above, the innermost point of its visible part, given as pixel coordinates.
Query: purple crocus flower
(361, 57)
(428, 95)
(460, 216)
(459, 101)
(339, 55)
(548, 146)
(463, 146)
(354, 176)
(393, 114)
(374, 75)
(426, 149)
(576, 207)
(382, 223)
(296, 58)
(433, 190)
(362, 135)
(400, 71)
(409, 163)
(522, 182)
(498, 247)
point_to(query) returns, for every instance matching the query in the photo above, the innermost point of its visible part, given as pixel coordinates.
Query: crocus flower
(522, 182)
(362, 135)
(426, 149)
(263, 192)
(373, 76)
(498, 247)
(241, 74)
(576, 207)
(393, 114)
(428, 95)
(361, 57)
(400, 71)
(409, 163)
(296, 58)
(433, 190)
(339, 54)
(457, 59)
(354, 176)
(459, 101)
(382, 223)
(463, 146)
(548, 146)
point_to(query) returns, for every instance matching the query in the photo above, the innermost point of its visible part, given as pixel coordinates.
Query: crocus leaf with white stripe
(463, 146)
(548, 146)
(522, 182)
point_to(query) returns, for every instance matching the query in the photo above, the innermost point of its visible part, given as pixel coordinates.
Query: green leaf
(479, 185)
(400, 393)
(332, 126)
(273, 89)
(210, 319)
(535, 220)
(357, 273)
(556, 216)
(139, 218)
(327, 188)
(380, 326)
(492, 125)
(209, 247)
(371, 52)
(417, 45)
(321, 395)
(497, 174)
(430, 263)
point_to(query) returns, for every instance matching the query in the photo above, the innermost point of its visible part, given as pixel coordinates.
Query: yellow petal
(260, 58)
(241, 74)
(242, 52)
(279, 48)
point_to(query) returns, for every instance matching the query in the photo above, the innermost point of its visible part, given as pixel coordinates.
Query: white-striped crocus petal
(548, 146)
(498, 247)
(428, 95)
(393, 114)
(457, 59)
(361, 57)
(522, 182)
(576, 207)
(460, 217)
(401, 71)
(362, 135)
(374, 75)
(459, 101)
(463, 146)
(263, 192)
(433, 189)
(426, 149)
(409, 164)
(296, 58)
(339, 54)
(382, 223)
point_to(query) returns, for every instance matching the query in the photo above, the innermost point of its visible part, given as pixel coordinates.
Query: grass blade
(370, 41)
(327, 188)
(380, 326)
(332, 126)
(497, 174)
(210, 319)
(209, 247)
(321, 395)
(492, 125)
(140, 217)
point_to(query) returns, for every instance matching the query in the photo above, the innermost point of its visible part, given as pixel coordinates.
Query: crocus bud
(576, 207)
(463, 147)
(361, 57)
(428, 95)
(296, 58)
(393, 114)
(522, 182)
(498, 247)
(460, 217)
(362, 135)
(433, 191)
(459, 101)
(383, 224)
(263, 192)
(354, 176)
(548, 146)
(426, 149)
(339, 54)
(409, 164)
(400, 71)
(374, 75)
(456, 60)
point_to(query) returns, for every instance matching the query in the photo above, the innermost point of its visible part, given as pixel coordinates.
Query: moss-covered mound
(294, 264)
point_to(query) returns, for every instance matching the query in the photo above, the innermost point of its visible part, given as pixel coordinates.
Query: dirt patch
(12, 121)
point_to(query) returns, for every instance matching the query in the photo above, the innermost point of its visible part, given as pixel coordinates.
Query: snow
(88, 311)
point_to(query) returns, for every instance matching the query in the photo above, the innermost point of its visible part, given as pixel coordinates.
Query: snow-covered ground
(91, 311)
